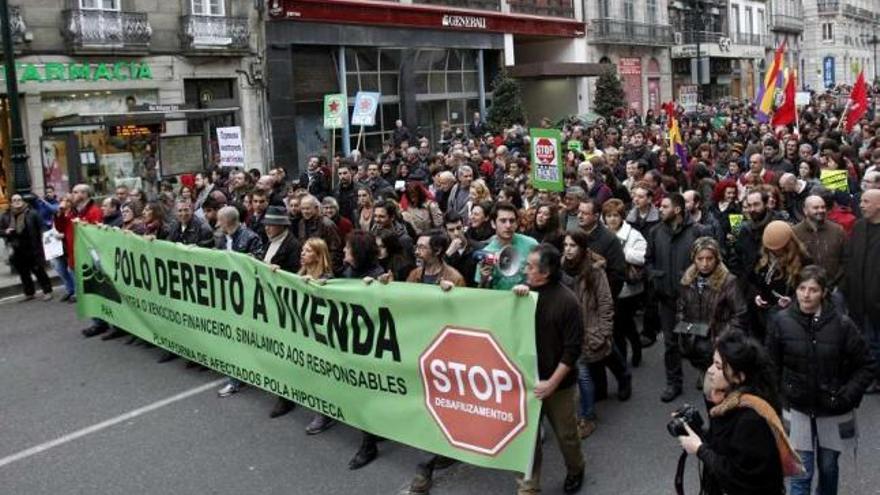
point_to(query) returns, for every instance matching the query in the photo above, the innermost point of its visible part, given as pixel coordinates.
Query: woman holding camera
(745, 450)
(825, 369)
(709, 303)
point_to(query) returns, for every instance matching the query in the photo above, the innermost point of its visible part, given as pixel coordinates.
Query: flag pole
(333, 158)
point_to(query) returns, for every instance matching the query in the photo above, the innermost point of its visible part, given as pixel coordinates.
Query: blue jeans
(828, 473)
(587, 392)
(63, 271)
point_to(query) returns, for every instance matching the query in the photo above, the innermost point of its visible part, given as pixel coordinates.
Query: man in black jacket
(346, 191)
(668, 256)
(282, 252)
(604, 243)
(460, 253)
(188, 229)
(861, 283)
(559, 328)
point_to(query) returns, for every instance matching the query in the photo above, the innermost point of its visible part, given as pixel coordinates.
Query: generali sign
(464, 22)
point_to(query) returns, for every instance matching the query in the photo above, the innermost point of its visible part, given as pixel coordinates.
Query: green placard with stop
(546, 158)
(404, 361)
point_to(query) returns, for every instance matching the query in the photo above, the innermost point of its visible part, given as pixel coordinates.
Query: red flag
(786, 113)
(858, 102)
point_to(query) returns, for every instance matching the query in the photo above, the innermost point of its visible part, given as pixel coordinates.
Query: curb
(15, 289)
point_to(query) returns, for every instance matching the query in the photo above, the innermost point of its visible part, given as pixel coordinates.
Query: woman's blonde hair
(483, 193)
(322, 266)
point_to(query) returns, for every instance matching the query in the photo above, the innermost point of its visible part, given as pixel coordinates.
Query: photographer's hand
(690, 443)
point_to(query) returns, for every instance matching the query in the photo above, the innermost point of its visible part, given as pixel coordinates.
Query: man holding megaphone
(501, 262)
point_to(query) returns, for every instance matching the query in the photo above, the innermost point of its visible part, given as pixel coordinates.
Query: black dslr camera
(685, 415)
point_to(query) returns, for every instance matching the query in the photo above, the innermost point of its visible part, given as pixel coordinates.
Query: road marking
(24, 454)
(21, 296)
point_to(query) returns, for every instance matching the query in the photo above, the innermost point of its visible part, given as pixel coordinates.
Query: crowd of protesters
(743, 237)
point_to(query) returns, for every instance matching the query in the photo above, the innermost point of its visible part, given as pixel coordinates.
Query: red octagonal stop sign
(472, 390)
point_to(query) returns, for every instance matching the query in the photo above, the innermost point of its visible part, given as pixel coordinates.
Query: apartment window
(604, 9)
(749, 21)
(99, 4)
(827, 32)
(734, 19)
(759, 29)
(208, 7)
(629, 10)
(651, 14)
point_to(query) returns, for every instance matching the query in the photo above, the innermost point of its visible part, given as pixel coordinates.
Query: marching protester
(560, 333)
(825, 368)
(862, 274)
(22, 229)
(489, 274)
(745, 450)
(668, 257)
(709, 303)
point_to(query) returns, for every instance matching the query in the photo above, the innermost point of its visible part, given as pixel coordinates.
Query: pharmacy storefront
(108, 122)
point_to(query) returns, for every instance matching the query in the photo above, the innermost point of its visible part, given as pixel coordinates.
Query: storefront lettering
(464, 21)
(87, 72)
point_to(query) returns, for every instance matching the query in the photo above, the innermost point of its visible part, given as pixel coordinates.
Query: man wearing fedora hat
(282, 252)
(283, 248)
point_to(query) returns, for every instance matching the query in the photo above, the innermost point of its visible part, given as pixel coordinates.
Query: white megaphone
(509, 261)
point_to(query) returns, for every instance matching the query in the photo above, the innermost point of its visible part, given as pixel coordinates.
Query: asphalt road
(86, 416)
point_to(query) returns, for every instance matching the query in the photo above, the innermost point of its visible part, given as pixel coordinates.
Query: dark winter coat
(861, 283)
(244, 240)
(740, 456)
(669, 255)
(824, 363)
(604, 243)
(747, 248)
(29, 243)
(288, 255)
(720, 303)
(197, 233)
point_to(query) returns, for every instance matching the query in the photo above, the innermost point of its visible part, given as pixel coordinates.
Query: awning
(553, 70)
(91, 120)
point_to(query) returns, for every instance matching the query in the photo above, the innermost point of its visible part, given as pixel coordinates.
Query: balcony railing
(16, 25)
(689, 37)
(788, 23)
(858, 13)
(548, 8)
(750, 39)
(466, 4)
(623, 32)
(214, 34)
(828, 6)
(97, 30)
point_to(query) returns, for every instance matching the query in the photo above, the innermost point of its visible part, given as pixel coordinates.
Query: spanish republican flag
(676, 143)
(767, 92)
(787, 112)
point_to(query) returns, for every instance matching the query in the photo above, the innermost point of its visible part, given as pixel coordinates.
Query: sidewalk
(10, 285)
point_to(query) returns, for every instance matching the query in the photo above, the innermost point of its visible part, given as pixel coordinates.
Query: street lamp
(17, 145)
(698, 13)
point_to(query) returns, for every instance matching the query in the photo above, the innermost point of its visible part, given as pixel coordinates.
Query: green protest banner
(546, 159)
(335, 111)
(834, 180)
(406, 362)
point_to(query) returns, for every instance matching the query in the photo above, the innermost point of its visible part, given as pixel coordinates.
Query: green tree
(609, 94)
(507, 107)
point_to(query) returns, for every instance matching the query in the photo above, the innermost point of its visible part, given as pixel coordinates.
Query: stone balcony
(214, 35)
(624, 32)
(102, 31)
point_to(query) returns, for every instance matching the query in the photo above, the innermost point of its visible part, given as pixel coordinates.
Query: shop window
(208, 7)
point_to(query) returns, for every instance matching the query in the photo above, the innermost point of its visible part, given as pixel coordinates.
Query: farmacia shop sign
(81, 71)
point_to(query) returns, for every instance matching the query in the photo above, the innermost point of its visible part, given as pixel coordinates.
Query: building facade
(635, 36)
(130, 91)
(432, 61)
(720, 47)
(838, 36)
